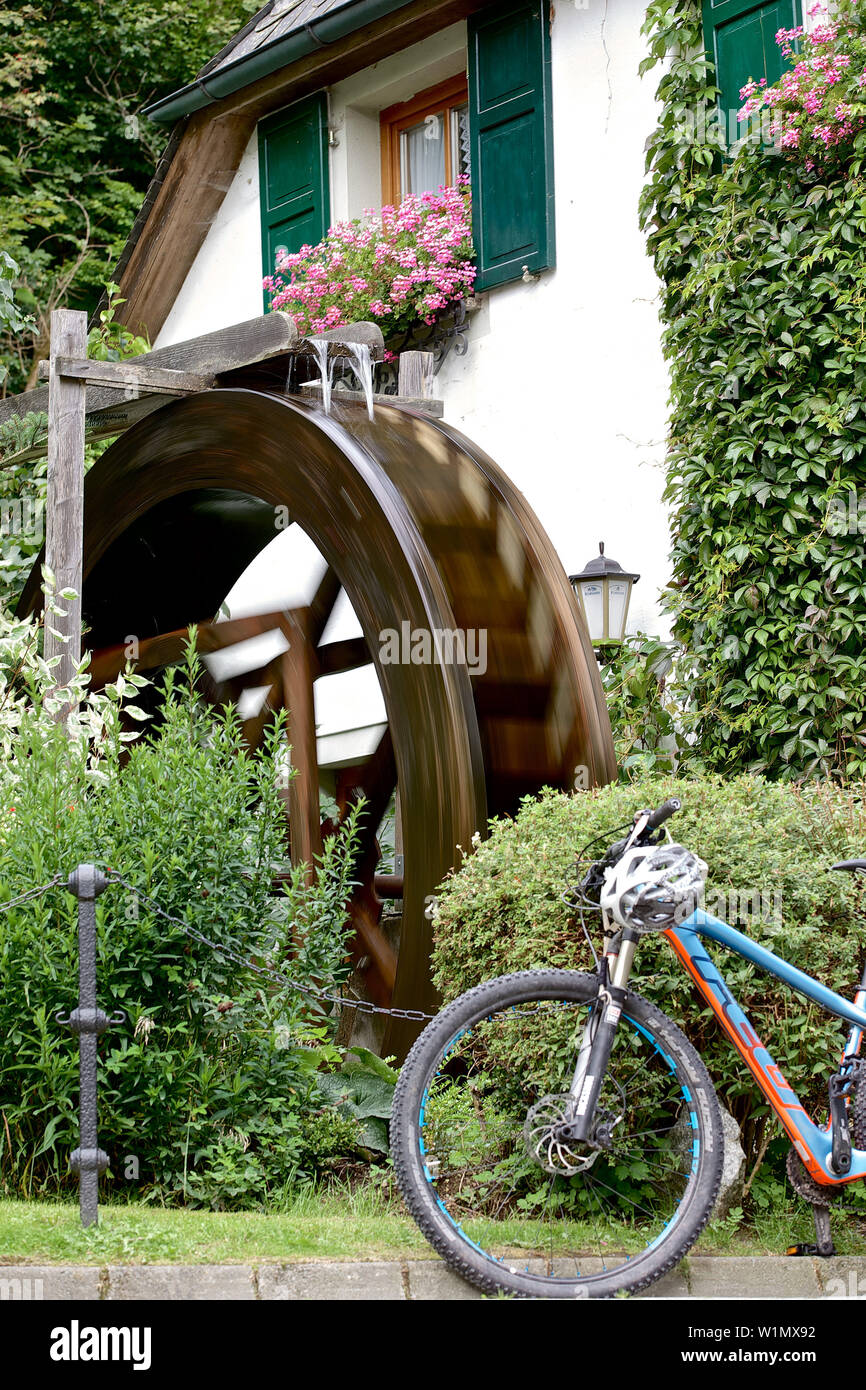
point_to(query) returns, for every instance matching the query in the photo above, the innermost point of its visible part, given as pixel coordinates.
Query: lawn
(318, 1224)
(314, 1226)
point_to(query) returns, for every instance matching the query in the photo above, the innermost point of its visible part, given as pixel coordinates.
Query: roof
(282, 32)
(273, 21)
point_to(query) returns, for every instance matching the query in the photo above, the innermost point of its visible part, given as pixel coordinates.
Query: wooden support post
(305, 827)
(64, 521)
(415, 375)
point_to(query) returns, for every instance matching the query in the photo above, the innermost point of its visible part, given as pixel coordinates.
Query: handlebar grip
(664, 812)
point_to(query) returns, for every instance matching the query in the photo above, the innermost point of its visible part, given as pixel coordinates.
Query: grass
(317, 1225)
(320, 1224)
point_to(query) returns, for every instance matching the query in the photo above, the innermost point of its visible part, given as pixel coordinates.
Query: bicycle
(555, 1135)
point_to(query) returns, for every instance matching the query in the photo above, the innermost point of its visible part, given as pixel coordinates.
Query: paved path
(700, 1277)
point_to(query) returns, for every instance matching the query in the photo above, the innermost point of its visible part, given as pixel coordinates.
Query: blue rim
(496, 1259)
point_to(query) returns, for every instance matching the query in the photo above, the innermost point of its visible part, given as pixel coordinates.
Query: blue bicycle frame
(814, 1145)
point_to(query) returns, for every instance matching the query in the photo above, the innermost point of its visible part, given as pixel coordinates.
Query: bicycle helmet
(653, 887)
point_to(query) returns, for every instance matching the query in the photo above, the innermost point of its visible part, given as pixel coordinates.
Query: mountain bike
(555, 1135)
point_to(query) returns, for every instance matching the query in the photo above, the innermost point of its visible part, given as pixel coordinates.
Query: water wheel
(425, 534)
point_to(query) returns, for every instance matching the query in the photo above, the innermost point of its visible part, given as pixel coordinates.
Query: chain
(360, 1006)
(33, 892)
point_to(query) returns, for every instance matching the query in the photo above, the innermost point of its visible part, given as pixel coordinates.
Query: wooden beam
(298, 671)
(110, 410)
(415, 374)
(64, 521)
(428, 404)
(135, 374)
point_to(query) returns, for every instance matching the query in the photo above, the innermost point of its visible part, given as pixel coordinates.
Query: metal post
(88, 1021)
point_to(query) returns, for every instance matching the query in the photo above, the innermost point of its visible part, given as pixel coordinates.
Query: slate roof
(274, 21)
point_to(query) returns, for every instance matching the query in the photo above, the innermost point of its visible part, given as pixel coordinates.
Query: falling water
(320, 347)
(359, 355)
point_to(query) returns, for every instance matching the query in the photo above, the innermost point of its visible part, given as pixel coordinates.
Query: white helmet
(653, 887)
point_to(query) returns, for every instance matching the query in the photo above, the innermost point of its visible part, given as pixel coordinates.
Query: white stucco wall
(564, 382)
(224, 283)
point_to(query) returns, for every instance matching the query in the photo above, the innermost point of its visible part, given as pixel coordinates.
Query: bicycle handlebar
(664, 812)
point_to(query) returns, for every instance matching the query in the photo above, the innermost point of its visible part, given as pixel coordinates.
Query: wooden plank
(415, 375)
(429, 406)
(64, 521)
(134, 373)
(110, 410)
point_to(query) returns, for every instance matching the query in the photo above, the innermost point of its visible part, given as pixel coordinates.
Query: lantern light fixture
(603, 589)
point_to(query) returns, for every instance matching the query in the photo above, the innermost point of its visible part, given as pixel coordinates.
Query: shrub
(768, 846)
(399, 268)
(203, 1092)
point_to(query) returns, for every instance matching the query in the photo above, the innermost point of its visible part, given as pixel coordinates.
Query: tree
(76, 153)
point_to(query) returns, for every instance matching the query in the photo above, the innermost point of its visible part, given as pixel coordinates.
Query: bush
(768, 846)
(203, 1092)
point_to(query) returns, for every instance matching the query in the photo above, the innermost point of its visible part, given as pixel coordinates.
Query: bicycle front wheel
(480, 1158)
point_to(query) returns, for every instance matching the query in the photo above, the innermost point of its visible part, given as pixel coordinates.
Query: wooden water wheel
(425, 534)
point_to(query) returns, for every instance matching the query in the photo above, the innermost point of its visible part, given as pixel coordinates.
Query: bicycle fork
(597, 1042)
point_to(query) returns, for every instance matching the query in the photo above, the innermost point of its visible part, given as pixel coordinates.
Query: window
(425, 141)
(497, 129)
(740, 36)
(493, 124)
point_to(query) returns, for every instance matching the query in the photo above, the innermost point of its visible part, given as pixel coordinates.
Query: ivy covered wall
(764, 321)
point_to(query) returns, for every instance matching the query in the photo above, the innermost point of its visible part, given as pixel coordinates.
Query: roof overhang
(232, 76)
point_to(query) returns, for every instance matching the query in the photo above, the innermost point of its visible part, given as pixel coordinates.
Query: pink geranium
(817, 107)
(402, 265)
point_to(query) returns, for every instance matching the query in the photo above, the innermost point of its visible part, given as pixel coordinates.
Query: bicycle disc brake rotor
(546, 1144)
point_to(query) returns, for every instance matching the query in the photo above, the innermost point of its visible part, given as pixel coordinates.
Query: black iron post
(88, 1021)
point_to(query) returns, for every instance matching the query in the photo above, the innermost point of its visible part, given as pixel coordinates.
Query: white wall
(564, 383)
(224, 283)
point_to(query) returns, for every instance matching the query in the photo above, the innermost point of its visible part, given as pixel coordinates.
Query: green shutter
(741, 42)
(511, 136)
(293, 178)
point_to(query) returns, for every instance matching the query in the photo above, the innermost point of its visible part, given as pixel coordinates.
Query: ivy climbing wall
(764, 314)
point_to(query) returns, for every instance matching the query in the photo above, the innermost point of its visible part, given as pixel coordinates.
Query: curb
(700, 1277)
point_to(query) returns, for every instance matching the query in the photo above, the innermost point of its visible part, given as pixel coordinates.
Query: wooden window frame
(395, 119)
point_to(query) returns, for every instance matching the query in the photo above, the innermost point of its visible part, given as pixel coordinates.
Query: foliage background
(764, 314)
(76, 156)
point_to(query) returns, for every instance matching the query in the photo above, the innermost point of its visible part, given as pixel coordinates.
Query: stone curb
(703, 1277)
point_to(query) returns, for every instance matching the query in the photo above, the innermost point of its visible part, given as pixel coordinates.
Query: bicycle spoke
(509, 1176)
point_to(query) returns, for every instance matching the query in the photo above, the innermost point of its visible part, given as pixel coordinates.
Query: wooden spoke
(322, 603)
(298, 671)
(347, 655)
